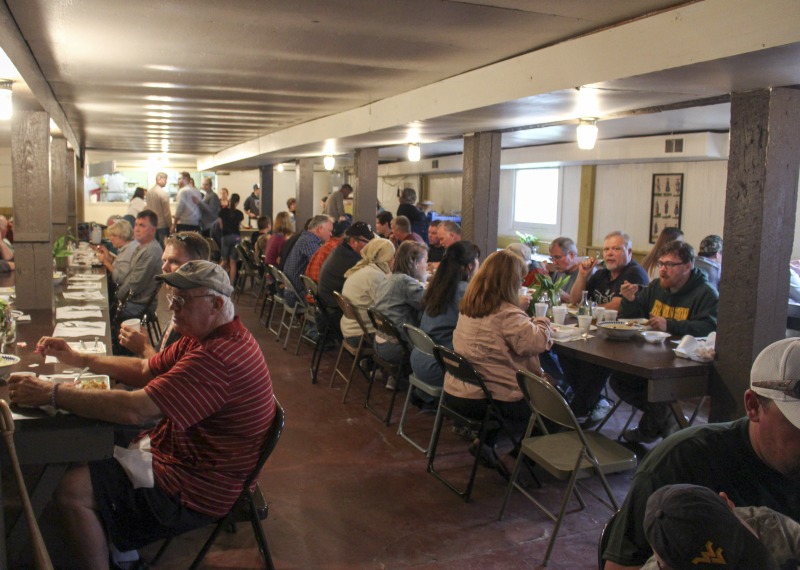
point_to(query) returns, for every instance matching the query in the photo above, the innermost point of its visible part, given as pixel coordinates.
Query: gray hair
(227, 311)
(408, 196)
(121, 229)
(565, 244)
(626, 238)
(450, 226)
(402, 223)
(318, 221)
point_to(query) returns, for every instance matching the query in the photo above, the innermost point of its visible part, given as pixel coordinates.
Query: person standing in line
(334, 206)
(232, 219)
(291, 205)
(252, 206)
(157, 200)
(209, 208)
(187, 212)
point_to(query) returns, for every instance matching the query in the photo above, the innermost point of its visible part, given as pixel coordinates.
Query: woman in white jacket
(362, 282)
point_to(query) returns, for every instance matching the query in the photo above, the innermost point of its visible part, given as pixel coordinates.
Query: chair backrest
(288, 287)
(309, 284)
(246, 255)
(419, 339)
(273, 435)
(546, 401)
(119, 307)
(385, 326)
(460, 368)
(350, 311)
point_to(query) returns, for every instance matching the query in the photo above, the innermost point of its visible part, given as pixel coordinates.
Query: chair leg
(261, 538)
(402, 423)
(336, 366)
(563, 510)
(161, 551)
(207, 546)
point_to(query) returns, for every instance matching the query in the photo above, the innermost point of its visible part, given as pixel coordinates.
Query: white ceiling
(235, 82)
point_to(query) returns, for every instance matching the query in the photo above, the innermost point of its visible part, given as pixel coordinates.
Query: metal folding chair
(296, 313)
(329, 329)
(460, 368)
(567, 455)
(250, 506)
(363, 349)
(277, 298)
(387, 329)
(420, 340)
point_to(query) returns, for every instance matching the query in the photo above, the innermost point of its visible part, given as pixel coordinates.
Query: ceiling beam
(19, 52)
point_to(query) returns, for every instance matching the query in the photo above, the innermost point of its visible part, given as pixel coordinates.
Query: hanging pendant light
(587, 134)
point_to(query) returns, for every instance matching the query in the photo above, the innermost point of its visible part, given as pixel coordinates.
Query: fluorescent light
(5, 101)
(587, 134)
(329, 162)
(414, 152)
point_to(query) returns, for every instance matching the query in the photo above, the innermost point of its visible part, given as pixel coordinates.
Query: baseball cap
(774, 375)
(256, 187)
(692, 527)
(711, 244)
(360, 230)
(195, 274)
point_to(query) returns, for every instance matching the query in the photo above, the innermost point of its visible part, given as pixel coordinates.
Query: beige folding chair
(420, 340)
(572, 454)
(363, 350)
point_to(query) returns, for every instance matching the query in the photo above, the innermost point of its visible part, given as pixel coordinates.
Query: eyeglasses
(557, 257)
(180, 301)
(788, 387)
(669, 264)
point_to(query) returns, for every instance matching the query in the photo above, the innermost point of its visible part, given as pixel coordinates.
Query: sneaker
(636, 435)
(598, 414)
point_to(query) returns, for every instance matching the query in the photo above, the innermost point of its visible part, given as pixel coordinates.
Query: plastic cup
(610, 315)
(584, 324)
(559, 314)
(132, 323)
(541, 309)
(599, 314)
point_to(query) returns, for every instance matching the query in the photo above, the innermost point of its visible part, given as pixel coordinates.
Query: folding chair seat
(420, 340)
(296, 313)
(460, 368)
(363, 349)
(277, 299)
(567, 455)
(386, 328)
(250, 506)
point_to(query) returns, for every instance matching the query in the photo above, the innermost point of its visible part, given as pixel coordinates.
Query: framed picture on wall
(666, 203)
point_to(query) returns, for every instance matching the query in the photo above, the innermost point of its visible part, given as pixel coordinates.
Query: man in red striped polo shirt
(212, 396)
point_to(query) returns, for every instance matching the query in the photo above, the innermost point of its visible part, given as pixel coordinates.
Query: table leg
(677, 411)
(41, 494)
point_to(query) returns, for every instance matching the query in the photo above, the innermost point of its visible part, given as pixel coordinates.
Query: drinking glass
(584, 324)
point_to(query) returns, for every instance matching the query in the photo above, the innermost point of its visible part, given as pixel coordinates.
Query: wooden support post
(760, 206)
(58, 185)
(72, 188)
(30, 174)
(365, 185)
(481, 190)
(586, 208)
(267, 190)
(80, 192)
(305, 191)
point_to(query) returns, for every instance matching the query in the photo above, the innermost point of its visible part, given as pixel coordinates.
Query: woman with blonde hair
(120, 234)
(280, 233)
(361, 284)
(498, 338)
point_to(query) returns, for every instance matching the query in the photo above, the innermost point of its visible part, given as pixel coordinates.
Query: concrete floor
(346, 492)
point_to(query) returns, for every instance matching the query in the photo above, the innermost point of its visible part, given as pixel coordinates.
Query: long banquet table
(41, 439)
(669, 378)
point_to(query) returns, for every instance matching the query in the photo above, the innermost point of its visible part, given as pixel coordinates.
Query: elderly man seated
(6, 249)
(755, 460)
(212, 396)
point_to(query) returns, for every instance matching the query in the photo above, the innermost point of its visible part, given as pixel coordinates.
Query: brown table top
(634, 356)
(42, 323)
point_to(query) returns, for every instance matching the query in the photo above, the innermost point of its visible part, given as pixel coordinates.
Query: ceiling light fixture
(414, 153)
(329, 162)
(280, 167)
(587, 133)
(5, 100)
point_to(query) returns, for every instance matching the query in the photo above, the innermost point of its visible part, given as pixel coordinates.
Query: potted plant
(62, 249)
(544, 285)
(530, 240)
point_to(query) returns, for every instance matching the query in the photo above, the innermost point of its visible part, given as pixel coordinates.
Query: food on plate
(93, 384)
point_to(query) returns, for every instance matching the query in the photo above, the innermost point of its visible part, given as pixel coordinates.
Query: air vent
(673, 145)
(435, 164)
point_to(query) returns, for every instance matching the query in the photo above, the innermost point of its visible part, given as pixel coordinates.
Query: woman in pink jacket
(498, 338)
